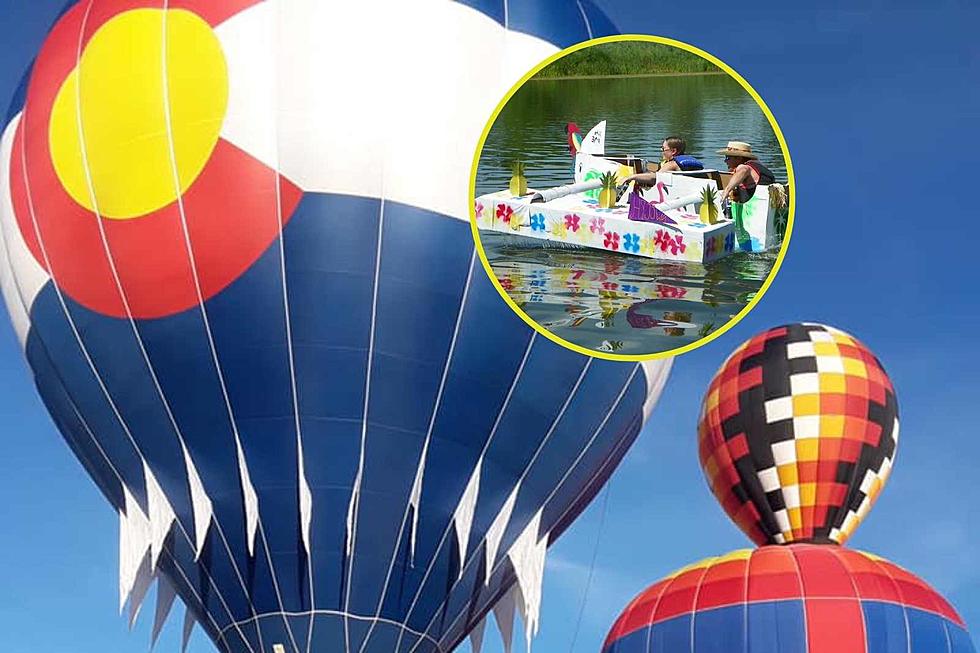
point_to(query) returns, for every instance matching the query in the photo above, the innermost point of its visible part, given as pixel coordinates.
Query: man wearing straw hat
(747, 172)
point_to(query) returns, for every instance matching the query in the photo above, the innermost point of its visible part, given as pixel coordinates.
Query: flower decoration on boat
(609, 285)
(515, 221)
(537, 222)
(711, 246)
(507, 283)
(631, 243)
(730, 241)
(614, 267)
(572, 221)
(648, 245)
(478, 209)
(630, 288)
(597, 225)
(558, 229)
(612, 240)
(504, 212)
(666, 241)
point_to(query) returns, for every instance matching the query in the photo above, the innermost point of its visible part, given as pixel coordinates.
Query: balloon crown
(798, 434)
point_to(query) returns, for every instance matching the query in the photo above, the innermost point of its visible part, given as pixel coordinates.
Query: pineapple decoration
(708, 210)
(607, 196)
(518, 182)
(797, 435)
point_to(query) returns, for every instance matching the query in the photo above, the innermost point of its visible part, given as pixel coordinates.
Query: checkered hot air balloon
(255, 313)
(797, 435)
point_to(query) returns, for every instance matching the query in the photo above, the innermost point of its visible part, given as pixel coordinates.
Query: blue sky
(879, 104)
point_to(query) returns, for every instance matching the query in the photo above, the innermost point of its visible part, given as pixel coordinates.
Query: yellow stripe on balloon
(110, 140)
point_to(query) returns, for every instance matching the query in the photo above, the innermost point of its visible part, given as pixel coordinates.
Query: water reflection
(623, 304)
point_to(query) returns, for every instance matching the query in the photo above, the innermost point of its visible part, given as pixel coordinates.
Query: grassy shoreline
(538, 78)
(627, 58)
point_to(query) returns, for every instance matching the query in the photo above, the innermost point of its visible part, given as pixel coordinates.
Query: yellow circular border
(791, 183)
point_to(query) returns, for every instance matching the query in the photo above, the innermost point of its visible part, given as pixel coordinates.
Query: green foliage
(627, 58)
(708, 195)
(608, 181)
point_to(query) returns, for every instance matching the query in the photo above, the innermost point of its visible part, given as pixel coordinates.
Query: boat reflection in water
(623, 304)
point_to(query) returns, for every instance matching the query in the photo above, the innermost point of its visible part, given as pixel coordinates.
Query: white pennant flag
(414, 499)
(134, 542)
(352, 509)
(161, 515)
(476, 636)
(251, 500)
(463, 517)
(200, 503)
(496, 531)
(165, 600)
(528, 556)
(188, 628)
(305, 498)
(656, 372)
(503, 612)
(144, 579)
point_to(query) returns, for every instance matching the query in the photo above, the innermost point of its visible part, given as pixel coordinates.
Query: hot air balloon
(797, 436)
(798, 597)
(252, 307)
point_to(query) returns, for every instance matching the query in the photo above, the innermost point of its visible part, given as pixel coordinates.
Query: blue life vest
(688, 162)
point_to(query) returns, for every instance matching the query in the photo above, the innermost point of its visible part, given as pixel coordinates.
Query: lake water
(603, 300)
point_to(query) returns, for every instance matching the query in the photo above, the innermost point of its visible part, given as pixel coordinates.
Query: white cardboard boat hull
(578, 220)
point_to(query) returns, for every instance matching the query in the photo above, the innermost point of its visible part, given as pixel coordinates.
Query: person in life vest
(747, 172)
(674, 160)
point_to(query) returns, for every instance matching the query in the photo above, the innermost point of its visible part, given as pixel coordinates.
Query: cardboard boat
(660, 222)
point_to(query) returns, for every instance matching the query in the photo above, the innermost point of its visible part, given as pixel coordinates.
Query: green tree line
(627, 58)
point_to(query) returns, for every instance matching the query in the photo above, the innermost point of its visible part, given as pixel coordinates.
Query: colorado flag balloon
(252, 306)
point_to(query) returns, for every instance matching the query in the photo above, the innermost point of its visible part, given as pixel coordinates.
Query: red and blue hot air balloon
(255, 313)
(797, 436)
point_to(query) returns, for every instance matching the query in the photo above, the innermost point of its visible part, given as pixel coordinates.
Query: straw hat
(738, 148)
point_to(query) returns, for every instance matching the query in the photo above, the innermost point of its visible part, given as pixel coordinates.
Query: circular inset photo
(632, 197)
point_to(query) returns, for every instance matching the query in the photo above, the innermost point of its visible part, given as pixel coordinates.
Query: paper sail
(643, 211)
(595, 141)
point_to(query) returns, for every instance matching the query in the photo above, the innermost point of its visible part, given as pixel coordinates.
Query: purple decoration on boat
(643, 211)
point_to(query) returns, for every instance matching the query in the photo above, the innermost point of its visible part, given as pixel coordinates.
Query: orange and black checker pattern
(798, 433)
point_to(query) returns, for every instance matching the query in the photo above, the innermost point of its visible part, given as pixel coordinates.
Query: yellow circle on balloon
(137, 119)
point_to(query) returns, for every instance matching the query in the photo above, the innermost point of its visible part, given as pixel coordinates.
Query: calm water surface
(603, 300)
